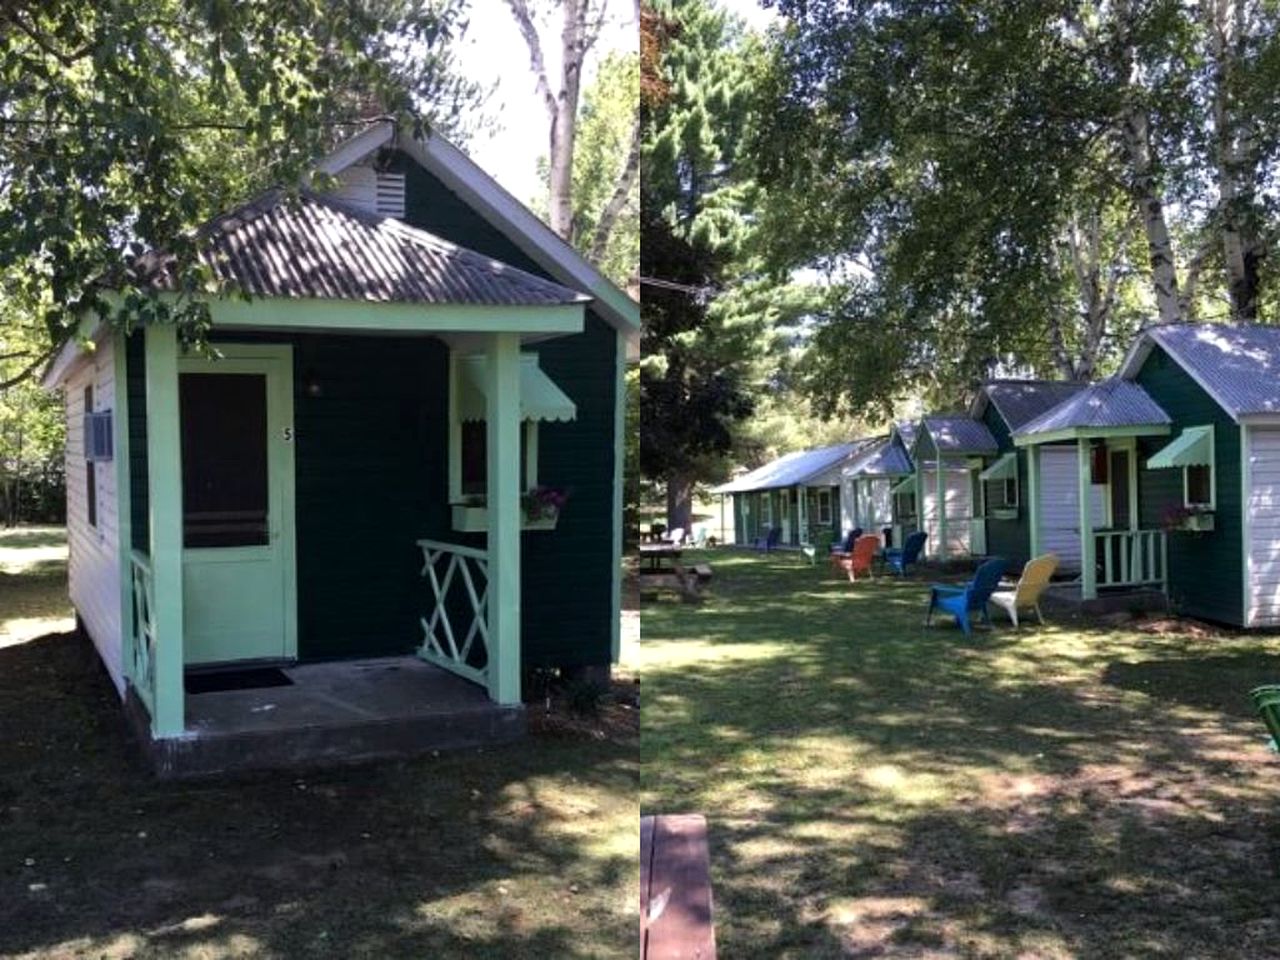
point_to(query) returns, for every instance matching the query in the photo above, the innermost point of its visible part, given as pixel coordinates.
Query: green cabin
(408, 449)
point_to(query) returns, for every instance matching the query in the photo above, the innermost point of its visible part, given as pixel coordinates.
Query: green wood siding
(1205, 569)
(1010, 539)
(567, 574)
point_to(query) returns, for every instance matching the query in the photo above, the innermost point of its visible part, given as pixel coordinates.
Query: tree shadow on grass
(880, 789)
(513, 852)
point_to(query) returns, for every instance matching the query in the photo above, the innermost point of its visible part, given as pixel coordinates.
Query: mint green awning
(1193, 448)
(540, 398)
(906, 485)
(1006, 468)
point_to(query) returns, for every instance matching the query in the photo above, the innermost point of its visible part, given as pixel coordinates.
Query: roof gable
(958, 434)
(1018, 402)
(1238, 366)
(792, 468)
(499, 208)
(319, 247)
(1109, 403)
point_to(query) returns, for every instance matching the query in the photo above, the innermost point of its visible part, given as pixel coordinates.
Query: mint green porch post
(921, 521)
(502, 416)
(164, 485)
(1033, 497)
(1088, 564)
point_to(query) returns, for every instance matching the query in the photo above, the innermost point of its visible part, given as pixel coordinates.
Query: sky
(495, 53)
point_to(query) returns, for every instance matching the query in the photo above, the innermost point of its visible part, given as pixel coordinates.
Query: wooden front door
(238, 574)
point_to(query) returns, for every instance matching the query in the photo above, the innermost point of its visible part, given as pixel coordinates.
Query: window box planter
(468, 519)
(539, 510)
(1185, 520)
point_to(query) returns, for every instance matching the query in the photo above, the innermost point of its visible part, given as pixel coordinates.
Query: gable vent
(372, 190)
(389, 195)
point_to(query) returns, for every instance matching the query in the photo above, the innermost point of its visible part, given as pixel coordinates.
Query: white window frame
(1213, 478)
(824, 507)
(529, 428)
(766, 508)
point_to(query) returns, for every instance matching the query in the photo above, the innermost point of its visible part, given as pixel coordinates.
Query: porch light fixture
(311, 383)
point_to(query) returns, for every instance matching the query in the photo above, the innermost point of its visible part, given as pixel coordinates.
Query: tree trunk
(1241, 247)
(564, 121)
(679, 503)
(1164, 273)
(621, 190)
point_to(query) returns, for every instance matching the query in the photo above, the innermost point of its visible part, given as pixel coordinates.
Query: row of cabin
(1165, 476)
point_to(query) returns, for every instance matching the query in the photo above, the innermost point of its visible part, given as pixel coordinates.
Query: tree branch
(524, 20)
(28, 371)
(621, 191)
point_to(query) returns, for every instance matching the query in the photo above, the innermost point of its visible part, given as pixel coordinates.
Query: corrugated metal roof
(906, 429)
(1238, 366)
(1020, 401)
(885, 458)
(791, 469)
(1108, 403)
(315, 246)
(958, 434)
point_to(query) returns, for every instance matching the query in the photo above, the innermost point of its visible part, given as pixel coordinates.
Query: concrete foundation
(340, 712)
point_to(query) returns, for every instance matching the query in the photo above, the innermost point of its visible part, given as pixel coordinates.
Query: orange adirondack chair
(860, 559)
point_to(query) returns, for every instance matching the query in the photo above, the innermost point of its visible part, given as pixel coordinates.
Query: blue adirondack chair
(769, 540)
(967, 599)
(899, 558)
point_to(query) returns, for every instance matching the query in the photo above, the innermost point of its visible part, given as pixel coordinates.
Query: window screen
(224, 459)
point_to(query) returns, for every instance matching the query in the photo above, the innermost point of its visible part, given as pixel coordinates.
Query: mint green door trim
(164, 485)
(124, 500)
(275, 363)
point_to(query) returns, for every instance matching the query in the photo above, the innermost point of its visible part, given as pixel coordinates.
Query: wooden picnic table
(655, 556)
(675, 889)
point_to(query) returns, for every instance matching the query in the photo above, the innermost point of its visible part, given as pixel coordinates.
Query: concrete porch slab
(339, 712)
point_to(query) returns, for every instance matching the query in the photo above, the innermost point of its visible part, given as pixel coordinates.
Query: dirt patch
(1177, 626)
(614, 717)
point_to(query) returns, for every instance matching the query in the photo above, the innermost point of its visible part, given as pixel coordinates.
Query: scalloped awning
(1193, 448)
(540, 398)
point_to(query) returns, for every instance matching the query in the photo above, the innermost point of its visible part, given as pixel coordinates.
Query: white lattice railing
(143, 633)
(456, 631)
(1130, 558)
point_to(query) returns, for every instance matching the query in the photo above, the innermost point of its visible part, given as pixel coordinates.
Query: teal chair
(1266, 700)
(967, 599)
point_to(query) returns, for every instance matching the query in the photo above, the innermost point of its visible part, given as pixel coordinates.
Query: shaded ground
(876, 789)
(528, 851)
(33, 583)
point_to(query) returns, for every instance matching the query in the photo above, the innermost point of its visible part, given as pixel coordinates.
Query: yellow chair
(1033, 582)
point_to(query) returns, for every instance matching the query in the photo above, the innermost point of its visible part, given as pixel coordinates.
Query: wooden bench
(675, 889)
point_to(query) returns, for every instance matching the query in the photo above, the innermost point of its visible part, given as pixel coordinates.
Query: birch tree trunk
(1136, 131)
(1226, 23)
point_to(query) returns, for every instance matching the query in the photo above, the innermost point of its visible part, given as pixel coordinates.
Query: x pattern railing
(456, 631)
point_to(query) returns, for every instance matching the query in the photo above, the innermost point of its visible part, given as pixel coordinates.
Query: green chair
(1266, 700)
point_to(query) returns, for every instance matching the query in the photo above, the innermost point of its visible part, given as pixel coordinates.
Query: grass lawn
(528, 851)
(878, 789)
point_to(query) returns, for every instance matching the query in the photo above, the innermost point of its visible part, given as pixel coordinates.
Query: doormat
(218, 681)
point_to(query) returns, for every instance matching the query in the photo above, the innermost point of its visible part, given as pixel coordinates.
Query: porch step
(332, 713)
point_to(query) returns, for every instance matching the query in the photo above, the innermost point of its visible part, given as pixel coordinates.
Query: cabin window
(1002, 494)
(90, 469)
(766, 509)
(1197, 486)
(824, 507)
(475, 458)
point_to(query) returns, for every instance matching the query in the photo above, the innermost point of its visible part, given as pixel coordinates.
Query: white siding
(848, 504)
(369, 190)
(1264, 527)
(93, 567)
(1060, 505)
(958, 493)
(872, 510)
